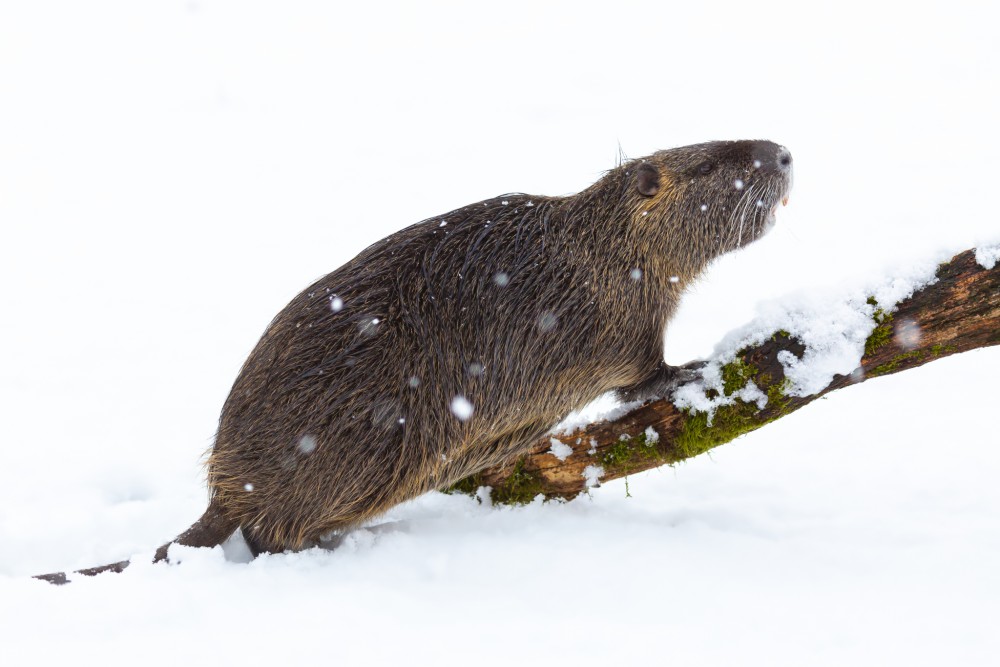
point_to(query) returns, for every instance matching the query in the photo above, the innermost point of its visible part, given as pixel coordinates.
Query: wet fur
(339, 415)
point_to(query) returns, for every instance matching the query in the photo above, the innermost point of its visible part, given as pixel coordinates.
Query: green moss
(621, 455)
(780, 333)
(469, 486)
(777, 395)
(736, 374)
(618, 454)
(883, 328)
(938, 350)
(728, 423)
(520, 488)
(894, 363)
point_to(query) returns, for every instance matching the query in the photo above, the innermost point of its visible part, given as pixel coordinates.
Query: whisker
(744, 203)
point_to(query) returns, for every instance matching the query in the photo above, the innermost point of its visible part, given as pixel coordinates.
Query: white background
(172, 173)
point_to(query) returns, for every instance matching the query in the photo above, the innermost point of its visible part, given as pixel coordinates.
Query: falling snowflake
(547, 321)
(907, 334)
(461, 408)
(307, 444)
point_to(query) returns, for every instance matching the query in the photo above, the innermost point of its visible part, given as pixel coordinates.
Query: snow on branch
(785, 360)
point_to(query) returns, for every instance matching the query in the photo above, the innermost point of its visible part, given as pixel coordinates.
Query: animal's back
(436, 352)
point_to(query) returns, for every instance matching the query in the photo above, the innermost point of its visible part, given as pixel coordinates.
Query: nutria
(454, 344)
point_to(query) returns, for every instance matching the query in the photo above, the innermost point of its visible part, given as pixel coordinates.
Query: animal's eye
(705, 167)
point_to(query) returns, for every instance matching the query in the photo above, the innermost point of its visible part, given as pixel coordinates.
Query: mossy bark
(959, 312)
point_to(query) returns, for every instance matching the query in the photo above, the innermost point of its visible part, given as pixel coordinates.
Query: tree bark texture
(960, 311)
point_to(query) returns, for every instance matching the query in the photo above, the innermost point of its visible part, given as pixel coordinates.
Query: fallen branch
(960, 311)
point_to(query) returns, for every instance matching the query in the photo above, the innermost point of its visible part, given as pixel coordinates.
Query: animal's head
(710, 198)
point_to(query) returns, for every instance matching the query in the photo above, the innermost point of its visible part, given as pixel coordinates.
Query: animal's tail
(210, 530)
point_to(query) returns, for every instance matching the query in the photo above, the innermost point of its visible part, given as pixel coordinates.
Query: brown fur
(527, 307)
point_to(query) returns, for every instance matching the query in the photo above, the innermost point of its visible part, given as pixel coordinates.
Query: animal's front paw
(661, 383)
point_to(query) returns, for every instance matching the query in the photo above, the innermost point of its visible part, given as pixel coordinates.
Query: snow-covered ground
(172, 173)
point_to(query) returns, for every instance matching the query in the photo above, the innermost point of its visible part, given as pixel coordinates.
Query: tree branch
(957, 313)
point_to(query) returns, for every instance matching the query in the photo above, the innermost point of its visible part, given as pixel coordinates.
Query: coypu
(454, 344)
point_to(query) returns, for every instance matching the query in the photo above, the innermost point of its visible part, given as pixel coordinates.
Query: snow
(606, 407)
(907, 333)
(307, 444)
(987, 256)
(172, 173)
(559, 449)
(692, 396)
(547, 321)
(592, 474)
(832, 325)
(462, 408)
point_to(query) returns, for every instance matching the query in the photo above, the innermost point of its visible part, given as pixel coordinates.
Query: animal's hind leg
(258, 544)
(254, 544)
(334, 540)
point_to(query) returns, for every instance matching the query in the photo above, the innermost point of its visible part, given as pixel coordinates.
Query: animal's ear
(647, 179)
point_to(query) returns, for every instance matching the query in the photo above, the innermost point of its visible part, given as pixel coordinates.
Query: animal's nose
(784, 159)
(770, 157)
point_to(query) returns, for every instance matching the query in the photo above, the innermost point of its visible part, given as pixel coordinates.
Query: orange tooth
(784, 202)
